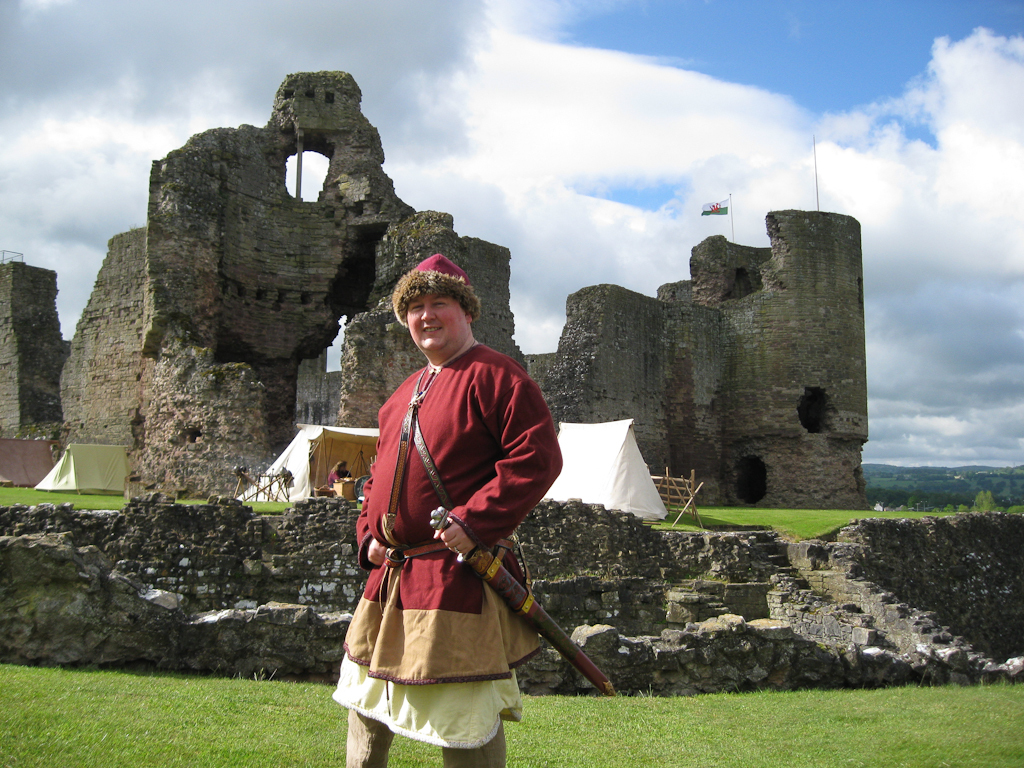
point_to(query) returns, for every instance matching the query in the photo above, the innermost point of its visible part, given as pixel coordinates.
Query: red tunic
(492, 439)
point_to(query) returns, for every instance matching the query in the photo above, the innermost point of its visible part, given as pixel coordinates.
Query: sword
(520, 600)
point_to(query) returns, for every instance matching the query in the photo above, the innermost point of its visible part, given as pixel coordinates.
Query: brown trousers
(369, 742)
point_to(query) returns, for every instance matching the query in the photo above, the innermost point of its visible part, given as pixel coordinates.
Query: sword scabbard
(489, 568)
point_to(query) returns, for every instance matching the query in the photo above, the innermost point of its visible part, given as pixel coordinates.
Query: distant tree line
(983, 501)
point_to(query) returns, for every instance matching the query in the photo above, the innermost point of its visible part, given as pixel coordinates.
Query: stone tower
(752, 373)
(31, 351)
(189, 349)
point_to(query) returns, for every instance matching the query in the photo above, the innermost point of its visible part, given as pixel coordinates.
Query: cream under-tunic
(462, 715)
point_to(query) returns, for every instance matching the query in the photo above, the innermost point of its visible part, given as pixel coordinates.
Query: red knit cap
(437, 275)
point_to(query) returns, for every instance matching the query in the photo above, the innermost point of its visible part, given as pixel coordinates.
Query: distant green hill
(939, 486)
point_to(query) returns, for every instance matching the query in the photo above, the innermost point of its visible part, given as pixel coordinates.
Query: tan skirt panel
(420, 646)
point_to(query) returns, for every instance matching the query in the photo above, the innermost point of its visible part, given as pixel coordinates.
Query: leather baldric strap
(409, 425)
(428, 464)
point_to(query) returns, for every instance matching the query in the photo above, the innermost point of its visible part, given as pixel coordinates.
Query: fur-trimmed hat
(436, 275)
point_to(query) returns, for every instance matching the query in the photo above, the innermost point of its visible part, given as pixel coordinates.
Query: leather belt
(396, 556)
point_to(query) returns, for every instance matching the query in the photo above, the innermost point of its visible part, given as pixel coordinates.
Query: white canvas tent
(88, 469)
(315, 449)
(601, 464)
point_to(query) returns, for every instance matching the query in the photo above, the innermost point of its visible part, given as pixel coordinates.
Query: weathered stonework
(31, 352)
(190, 348)
(217, 588)
(105, 375)
(752, 373)
(318, 392)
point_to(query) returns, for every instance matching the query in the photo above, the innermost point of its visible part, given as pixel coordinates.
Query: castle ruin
(32, 352)
(751, 373)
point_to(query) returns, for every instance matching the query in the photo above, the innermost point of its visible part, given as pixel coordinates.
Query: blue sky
(585, 135)
(828, 56)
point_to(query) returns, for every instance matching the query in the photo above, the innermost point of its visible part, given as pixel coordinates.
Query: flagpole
(732, 222)
(814, 145)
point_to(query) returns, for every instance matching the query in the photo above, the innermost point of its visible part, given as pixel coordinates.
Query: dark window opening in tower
(751, 480)
(328, 98)
(813, 409)
(314, 173)
(742, 285)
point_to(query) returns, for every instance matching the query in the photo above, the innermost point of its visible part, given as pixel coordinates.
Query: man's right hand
(376, 552)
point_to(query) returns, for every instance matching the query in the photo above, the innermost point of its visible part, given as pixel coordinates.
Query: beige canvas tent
(88, 469)
(315, 449)
(601, 464)
(25, 462)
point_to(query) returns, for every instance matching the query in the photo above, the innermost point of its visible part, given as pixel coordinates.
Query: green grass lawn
(32, 497)
(796, 524)
(793, 523)
(68, 718)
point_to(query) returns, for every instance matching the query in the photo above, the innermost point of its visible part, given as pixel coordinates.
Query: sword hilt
(439, 519)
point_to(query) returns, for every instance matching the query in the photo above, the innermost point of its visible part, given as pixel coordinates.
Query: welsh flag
(715, 209)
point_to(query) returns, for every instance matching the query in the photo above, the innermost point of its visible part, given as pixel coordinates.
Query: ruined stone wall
(752, 374)
(189, 352)
(105, 375)
(964, 569)
(318, 393)
(216, 588)
(611, 364)
(31, 349)
(204, 417)
(696, 344)
(796, 393)
(266, 275)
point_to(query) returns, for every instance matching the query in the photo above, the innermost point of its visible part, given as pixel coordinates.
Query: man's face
(439, 326)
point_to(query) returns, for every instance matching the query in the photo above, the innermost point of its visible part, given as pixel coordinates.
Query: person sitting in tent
(339, 472)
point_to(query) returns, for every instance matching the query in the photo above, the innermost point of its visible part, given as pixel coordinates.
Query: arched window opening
(751, 480)
(314, 173)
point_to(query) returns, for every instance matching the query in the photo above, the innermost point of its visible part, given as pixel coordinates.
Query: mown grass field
(792, 523)
(105, 719)
(31, 497)
(795, 524)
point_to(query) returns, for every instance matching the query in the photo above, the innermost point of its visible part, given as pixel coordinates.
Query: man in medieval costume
(432, 650)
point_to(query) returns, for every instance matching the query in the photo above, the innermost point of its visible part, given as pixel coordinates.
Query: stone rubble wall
(955, 577)
(32, 352)
(217, 588)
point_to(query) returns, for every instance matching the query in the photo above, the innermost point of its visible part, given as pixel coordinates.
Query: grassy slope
(53, 717)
